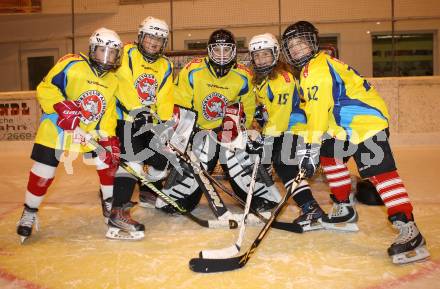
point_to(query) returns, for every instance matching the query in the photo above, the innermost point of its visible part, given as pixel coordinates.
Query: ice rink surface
(70, 250)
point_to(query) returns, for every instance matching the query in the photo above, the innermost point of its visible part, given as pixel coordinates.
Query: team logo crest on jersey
(146, 85)
(213, 106)
(92, 106)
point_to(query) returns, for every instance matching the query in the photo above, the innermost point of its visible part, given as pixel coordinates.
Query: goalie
(211, 86)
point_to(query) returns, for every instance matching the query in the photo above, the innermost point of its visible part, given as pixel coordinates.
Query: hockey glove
(261, 115)
(308, 156)
(69, 114)
(142, 118)
(255, 146)
(112, 155)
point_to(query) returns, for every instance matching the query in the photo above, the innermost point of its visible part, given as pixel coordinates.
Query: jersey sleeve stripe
(60, 80)
(167, 74)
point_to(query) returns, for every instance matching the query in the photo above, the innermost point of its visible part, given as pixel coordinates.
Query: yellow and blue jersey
(339, 101)
(144, 84)
(74, 78)
(281, 99)
(198, 88)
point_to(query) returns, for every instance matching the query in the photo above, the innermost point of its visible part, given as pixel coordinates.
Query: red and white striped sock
(40, 178)
(106, 178)
(393, 193)
(338, 177)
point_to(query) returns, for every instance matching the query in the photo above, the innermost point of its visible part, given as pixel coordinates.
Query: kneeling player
(78, 91)
(339, 101)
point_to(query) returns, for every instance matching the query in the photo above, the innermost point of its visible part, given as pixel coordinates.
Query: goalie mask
(300, 43)
(222, 51)
(264, 51)
(152, 38)
(105, 50)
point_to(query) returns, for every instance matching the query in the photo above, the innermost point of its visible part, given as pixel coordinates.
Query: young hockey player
(209, 85)
(78, 91)
(145, 87)
(281, 119)
(339, 101)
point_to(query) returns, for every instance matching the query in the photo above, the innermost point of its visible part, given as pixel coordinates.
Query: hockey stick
(228, 264)
(214, 200)
(179, 142)
(204, 223)
(286, 226)
(234, 249)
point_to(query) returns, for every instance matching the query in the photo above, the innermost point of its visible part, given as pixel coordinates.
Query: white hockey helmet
(105, 49)
(155, 28)
(266, 41)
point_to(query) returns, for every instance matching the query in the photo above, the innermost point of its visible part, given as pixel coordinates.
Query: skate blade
(312, 226)
(344, 227)
(22, 239)
(118, 234)
(419, 254)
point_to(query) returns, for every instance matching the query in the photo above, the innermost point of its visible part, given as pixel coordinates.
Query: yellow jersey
(339, 101)
(142, 83)
(198, 88)
(74, 78)
(281, 99)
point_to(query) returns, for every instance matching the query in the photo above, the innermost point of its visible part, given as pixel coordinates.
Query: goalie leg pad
(184, 189)
(238, 166)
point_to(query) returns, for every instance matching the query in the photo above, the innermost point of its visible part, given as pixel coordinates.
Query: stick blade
(290, 227)
(220, 253)
(200, 265)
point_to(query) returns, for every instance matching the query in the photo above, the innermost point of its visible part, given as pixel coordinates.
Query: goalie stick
(228, 264)
(215, 202)
(286, 226)
(204, 223)
(183, 129)
(234, 249)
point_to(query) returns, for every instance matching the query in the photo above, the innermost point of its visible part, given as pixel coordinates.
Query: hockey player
(78, 91)
(208, 85)
(339, 101)
(145, 90)
(281, 119)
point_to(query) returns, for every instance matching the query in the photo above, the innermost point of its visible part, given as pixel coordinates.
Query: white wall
(350, 20)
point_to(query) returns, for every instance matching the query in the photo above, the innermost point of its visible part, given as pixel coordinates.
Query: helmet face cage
(299, 48)
(222, 53)
(150, 56)
(265, 69)
(152, 30)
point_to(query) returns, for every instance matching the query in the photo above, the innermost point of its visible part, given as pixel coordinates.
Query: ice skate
(342, 217)
(26, 222)
(262, 205)
(106, 207)
(122, 227)
(311, 217)
(409, 246)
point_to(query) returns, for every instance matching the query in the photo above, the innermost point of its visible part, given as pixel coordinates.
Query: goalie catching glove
(231, 133)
